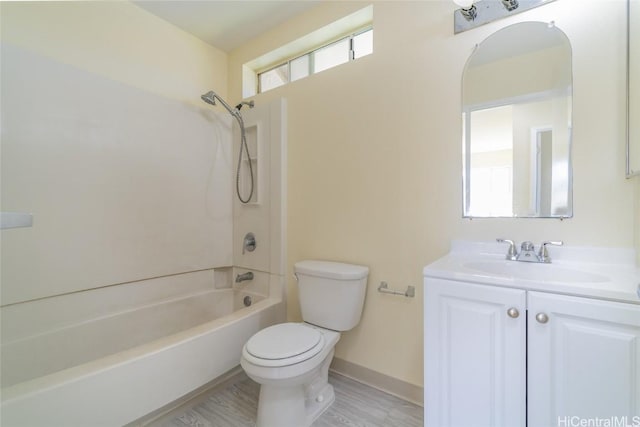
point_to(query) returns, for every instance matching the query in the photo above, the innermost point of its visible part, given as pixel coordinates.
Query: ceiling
(226, 24)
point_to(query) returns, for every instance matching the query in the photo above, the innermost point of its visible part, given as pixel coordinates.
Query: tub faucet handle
(512, 253)
(249, 243)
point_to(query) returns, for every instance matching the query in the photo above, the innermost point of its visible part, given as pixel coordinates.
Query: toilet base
(287, 406)
(296, 405)
(317, 406)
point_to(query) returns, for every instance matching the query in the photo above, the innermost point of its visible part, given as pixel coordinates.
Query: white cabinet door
(475, 355)
(584, 362)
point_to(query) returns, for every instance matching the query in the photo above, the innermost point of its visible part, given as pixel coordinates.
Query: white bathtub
(151, 343)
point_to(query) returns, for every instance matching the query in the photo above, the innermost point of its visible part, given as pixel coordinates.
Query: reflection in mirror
(633, 107)
(517, 124)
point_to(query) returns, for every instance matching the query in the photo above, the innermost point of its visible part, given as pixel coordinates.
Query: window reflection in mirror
(517, 124)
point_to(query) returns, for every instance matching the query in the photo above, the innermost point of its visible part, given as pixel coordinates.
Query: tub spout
(245, 276)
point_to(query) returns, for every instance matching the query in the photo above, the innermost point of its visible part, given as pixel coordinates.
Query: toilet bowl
(291, 361)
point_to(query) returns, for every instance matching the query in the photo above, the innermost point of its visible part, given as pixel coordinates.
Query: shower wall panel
(123, 184)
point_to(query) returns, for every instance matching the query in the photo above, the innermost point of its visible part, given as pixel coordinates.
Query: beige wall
(374, 156)
(120, 41)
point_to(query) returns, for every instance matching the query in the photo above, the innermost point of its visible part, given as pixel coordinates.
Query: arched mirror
(516, 101)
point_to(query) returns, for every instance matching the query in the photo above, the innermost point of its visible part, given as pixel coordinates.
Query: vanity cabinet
(499, 356)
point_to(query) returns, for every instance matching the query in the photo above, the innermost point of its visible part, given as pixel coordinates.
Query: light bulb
(465, 4)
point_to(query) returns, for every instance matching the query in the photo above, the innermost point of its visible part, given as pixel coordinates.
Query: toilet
(291, 361)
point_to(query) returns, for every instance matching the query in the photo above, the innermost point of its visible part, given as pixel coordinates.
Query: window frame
(311, 54)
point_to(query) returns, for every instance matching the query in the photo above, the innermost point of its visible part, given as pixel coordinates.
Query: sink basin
(534, 271)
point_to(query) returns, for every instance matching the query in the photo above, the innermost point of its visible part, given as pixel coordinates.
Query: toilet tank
(331, 294)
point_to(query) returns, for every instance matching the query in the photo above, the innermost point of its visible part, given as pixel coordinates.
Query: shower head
(209, 97)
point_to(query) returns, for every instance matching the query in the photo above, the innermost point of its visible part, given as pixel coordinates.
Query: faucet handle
(543, 254)
(249, 243)
(512, 253)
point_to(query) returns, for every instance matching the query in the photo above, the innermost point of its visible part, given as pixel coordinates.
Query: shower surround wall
(123, 185)
(119, 188)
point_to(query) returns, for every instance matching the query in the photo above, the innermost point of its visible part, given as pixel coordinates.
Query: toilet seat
(283, 344)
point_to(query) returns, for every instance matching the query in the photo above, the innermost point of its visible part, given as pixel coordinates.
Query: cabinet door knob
(513, 312)
(542, 318)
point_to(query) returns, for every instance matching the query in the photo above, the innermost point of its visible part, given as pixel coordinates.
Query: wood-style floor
(234, 404)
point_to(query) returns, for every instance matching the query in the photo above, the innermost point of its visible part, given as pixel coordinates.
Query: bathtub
(110, 356)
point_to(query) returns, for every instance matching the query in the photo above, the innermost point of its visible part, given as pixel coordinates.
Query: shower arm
(235, 112)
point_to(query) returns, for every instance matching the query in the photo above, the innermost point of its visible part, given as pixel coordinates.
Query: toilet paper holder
(409, 293)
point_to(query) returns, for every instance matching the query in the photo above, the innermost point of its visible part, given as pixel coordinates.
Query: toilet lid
(284, 341)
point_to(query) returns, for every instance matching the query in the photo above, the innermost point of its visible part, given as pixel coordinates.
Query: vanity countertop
(603, 273)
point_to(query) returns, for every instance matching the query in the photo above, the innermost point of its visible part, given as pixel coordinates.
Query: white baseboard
(404, 390)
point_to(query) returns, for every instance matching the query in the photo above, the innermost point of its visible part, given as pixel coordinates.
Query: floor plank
(357, 405)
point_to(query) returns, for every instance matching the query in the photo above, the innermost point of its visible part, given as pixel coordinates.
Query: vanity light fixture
(473, 13)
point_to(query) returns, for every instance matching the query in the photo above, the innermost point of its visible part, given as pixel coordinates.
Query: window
(362, 44)
(299, 67)
(346, 49)
(274, 77)
(330, 56)
(341, 41)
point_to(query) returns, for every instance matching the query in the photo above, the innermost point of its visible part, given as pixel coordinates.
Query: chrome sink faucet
(527, 251)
